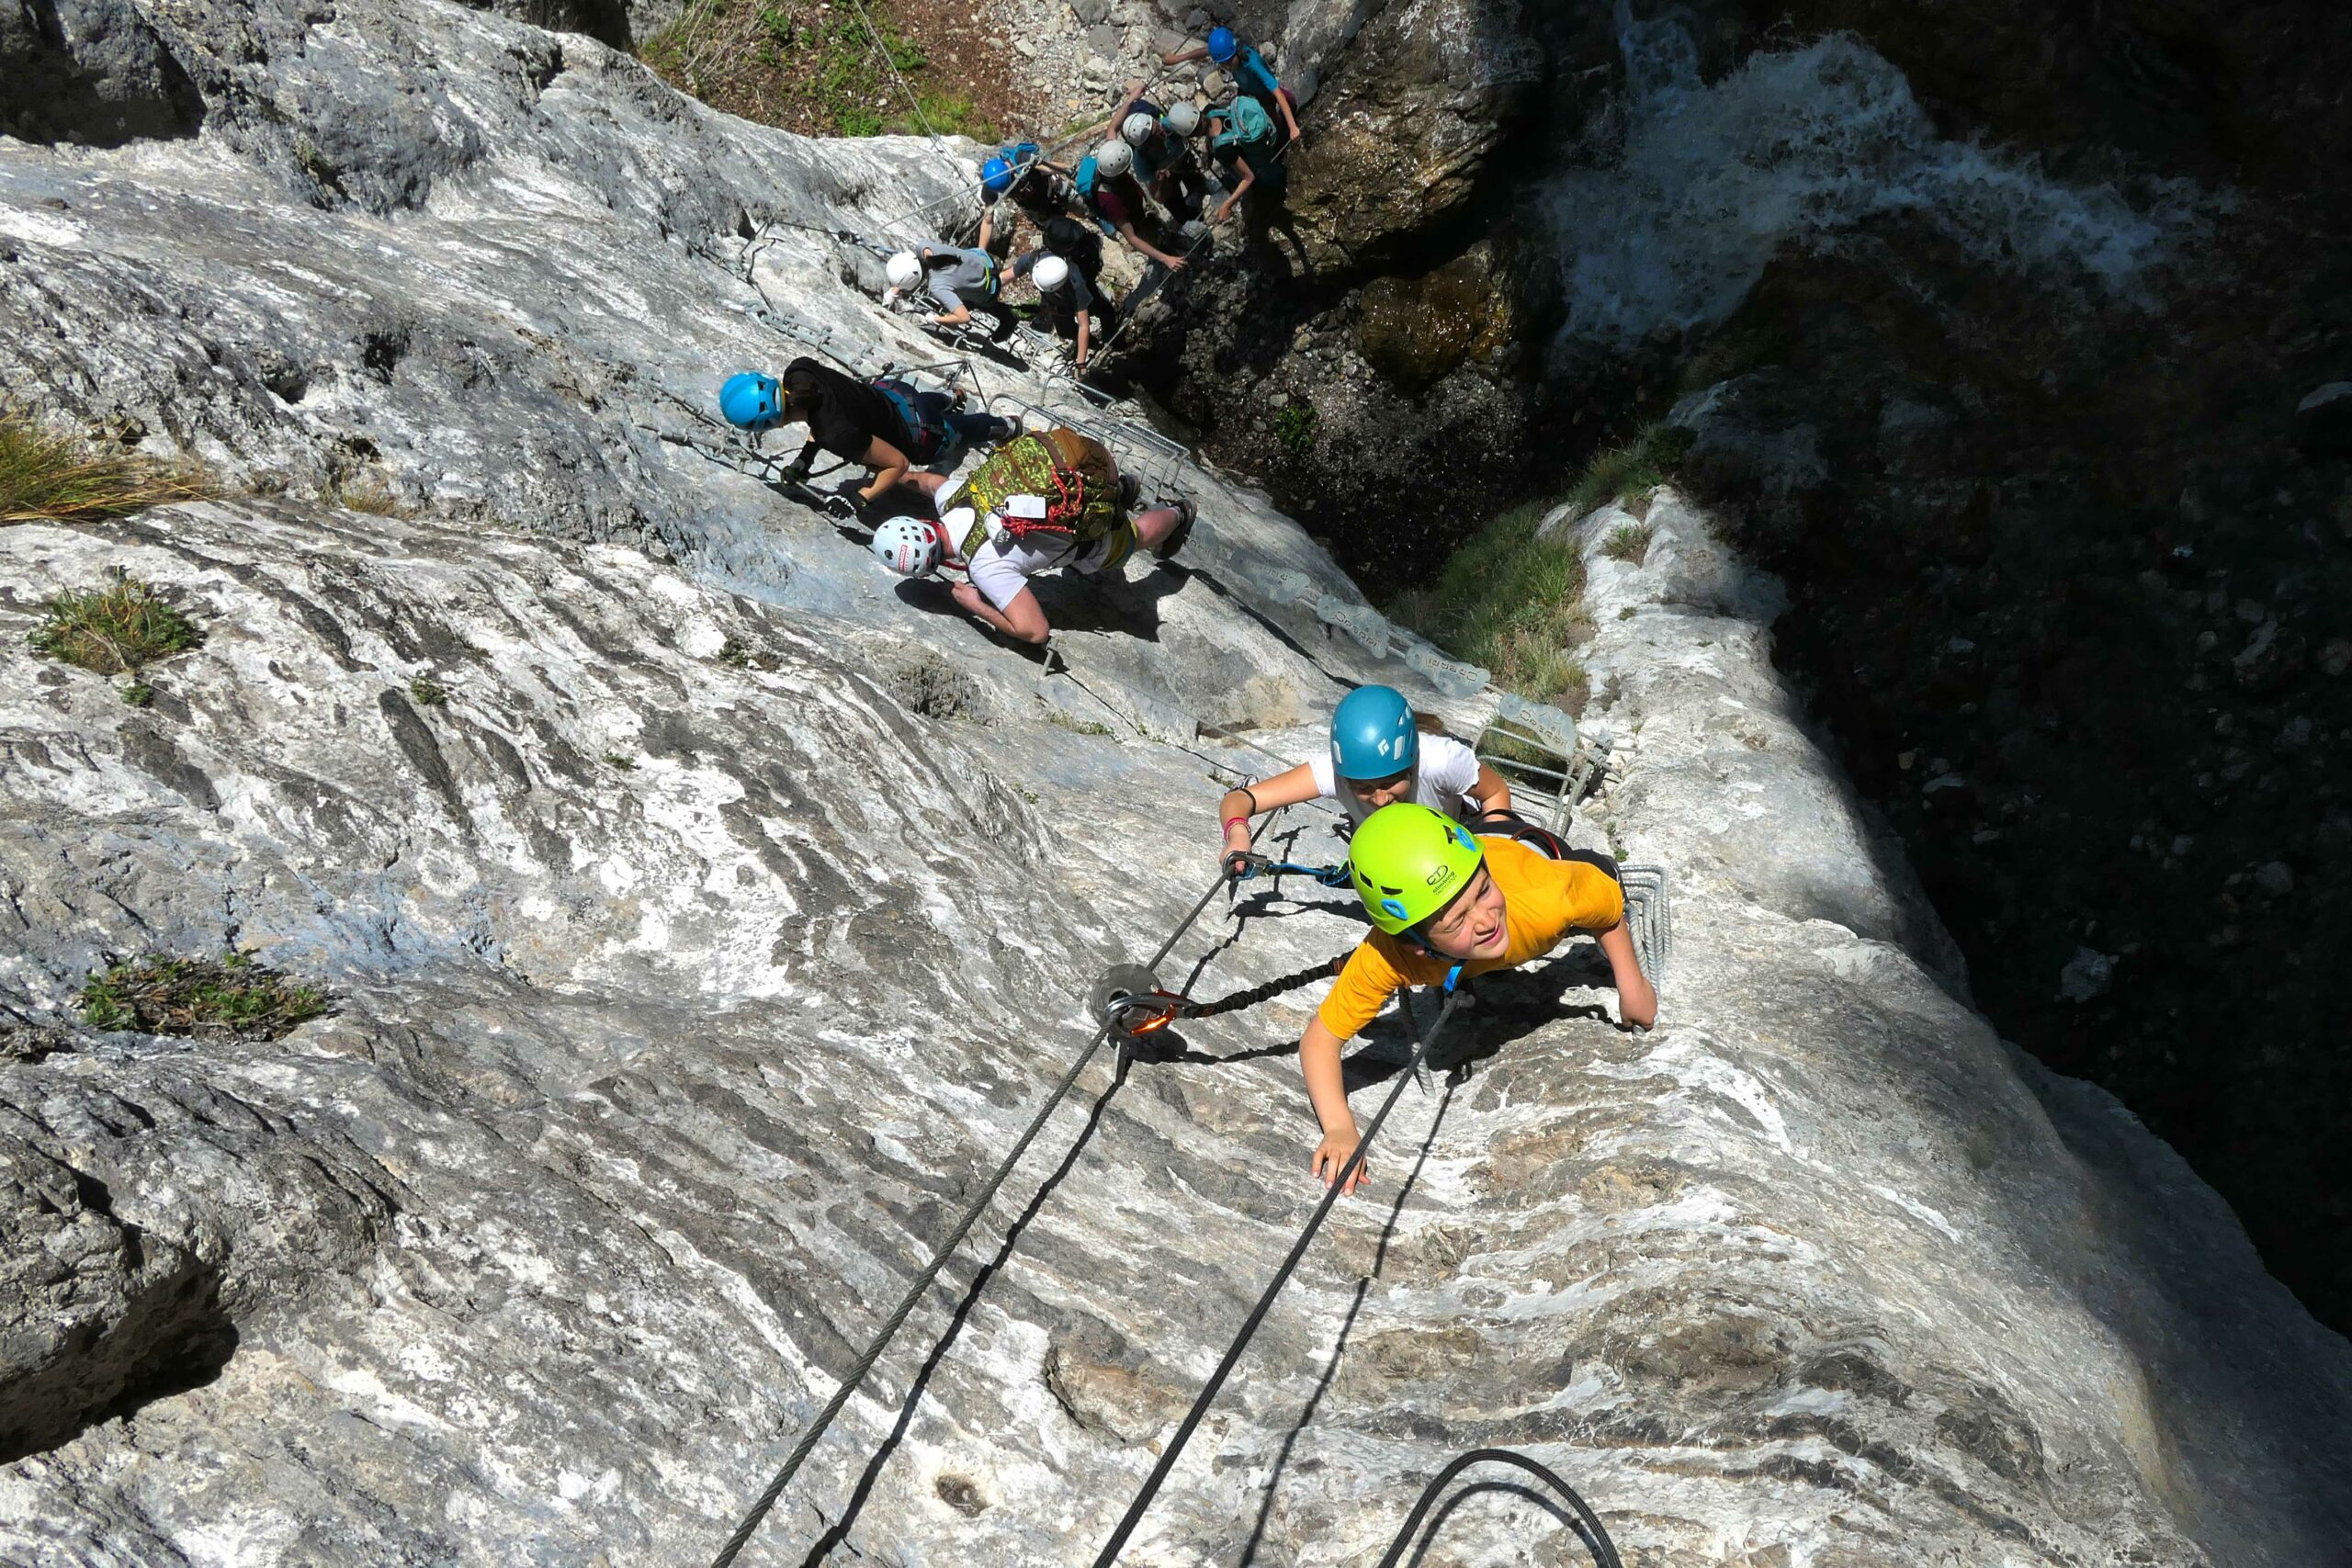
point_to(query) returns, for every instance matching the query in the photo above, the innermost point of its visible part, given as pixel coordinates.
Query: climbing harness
(1192, 1417)
(928, 1274)
(1586, 1523)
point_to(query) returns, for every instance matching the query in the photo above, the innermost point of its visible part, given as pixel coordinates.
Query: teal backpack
(1247, 123)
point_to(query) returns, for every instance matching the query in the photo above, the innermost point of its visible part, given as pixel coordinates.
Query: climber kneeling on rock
(1379, 756)
(1251, 78)
(1106, 179)
(1051, 499)
(954, 277)
(1443, 900)
(889, 425)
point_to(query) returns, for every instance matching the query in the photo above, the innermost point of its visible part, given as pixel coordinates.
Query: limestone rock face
(707, 910)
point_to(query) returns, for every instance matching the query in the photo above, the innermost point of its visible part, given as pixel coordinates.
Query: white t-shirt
(1444, 779)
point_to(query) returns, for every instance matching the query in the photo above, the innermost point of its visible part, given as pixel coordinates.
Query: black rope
(923, 1281)
(1152, 1483)
(1596, 1539)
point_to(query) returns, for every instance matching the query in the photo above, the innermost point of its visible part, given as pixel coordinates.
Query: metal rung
(1650, 913)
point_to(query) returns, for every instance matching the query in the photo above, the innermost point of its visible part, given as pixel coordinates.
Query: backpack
(930, 440)
(1068, 237)
(1021, 155)
(1246, 123)
(1073, 474)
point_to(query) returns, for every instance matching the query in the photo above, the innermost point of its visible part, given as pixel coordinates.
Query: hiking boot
(1185, 512)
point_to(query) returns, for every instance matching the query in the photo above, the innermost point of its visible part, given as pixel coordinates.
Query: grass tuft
(1295, 428)
(427, 693)
(374, 495)
(1512, 602)
(1636, 467)
(114, 630)
(229, 997)
(48, 477)
(1630, 542)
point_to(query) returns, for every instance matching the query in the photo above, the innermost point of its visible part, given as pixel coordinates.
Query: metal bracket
(1651, 915)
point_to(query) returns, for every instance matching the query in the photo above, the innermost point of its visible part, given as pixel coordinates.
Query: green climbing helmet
(1407, 863)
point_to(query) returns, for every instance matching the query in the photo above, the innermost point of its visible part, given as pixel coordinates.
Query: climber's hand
(1331, 1155)
(797, 472)
(1239, 864)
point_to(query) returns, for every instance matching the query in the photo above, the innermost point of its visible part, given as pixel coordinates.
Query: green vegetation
(1512, 602)
(1056, 717)
(46, 476)
(1295, 428)
(229, 997)
(1634, 468)
(427, 693)
(1630, 542)
(626, 765)
(812, 70)
(115, 630)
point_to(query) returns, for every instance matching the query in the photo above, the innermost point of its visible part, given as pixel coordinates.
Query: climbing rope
(930, 1274)
(1587, 1523)
(1192, 1417)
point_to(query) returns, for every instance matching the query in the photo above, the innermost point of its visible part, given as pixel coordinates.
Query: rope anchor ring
(1129, 1001)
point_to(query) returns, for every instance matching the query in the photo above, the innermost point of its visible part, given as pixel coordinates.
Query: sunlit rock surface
(700, 952)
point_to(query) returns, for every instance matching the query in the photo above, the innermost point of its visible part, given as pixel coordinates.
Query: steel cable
(1588, 1526)
(923, 1281)
(1192, 1417)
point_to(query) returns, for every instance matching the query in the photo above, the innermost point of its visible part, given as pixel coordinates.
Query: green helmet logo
(1407, 863)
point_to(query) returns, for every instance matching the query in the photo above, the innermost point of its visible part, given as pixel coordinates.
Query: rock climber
(890, 426)
(1243, 143)
(1038, 189)
(953, 275)
(1251, 76)
(1053, 498)
(1066, 303)
(1106, 179)
(1164, 157)
(1443, 898)
(1378, 756)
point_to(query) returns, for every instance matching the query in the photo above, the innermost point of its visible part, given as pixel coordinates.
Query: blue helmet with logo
(1223, 45)
(996, 175)
(750, 399)
(1373, 736)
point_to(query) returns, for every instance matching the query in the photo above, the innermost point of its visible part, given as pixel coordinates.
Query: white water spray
(1797, 148)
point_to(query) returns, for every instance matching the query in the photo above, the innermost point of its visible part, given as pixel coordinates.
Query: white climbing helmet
(1184, 119)
(1115, 158)
(1053, 272)
(907, 545)
(1137, 127)
(902, 270)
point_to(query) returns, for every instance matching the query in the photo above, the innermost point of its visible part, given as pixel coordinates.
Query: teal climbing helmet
(752, 401)
(1373, 734)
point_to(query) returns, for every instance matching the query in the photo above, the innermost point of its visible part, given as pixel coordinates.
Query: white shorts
(1001, 569)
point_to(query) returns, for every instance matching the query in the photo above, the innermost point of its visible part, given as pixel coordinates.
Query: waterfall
(1798, 147)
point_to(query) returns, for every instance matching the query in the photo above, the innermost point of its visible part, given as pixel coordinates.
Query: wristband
(1231, 820)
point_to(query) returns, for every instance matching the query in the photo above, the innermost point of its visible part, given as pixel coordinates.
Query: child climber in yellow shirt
(1443, 899)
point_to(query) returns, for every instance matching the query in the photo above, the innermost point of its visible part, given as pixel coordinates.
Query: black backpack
(1076, 243)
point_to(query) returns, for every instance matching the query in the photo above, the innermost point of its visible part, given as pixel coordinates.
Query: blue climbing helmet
(1373, 734)
(752, 401)
(996, 175)
(1223, 45)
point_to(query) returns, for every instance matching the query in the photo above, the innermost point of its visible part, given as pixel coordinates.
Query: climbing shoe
(1185, 512)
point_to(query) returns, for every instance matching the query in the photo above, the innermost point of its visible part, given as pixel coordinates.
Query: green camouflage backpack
(1056, 482)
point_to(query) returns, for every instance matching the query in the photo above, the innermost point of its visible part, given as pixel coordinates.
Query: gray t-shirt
(971, 269)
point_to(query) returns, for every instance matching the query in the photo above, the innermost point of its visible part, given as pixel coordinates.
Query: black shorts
(1510, 825)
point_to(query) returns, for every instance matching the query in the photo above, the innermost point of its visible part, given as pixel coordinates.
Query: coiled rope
(1192, 1417)
(1587, 1523)
(923, 1281)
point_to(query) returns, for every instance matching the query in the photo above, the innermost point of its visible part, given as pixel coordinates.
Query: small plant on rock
(1630, 542)
(115, 630)
(229, 998)
(427, 693)
(1512, 601)
(48, 477)
(1295, 428)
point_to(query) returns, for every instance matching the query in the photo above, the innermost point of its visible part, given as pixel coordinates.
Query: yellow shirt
(1544, 900)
